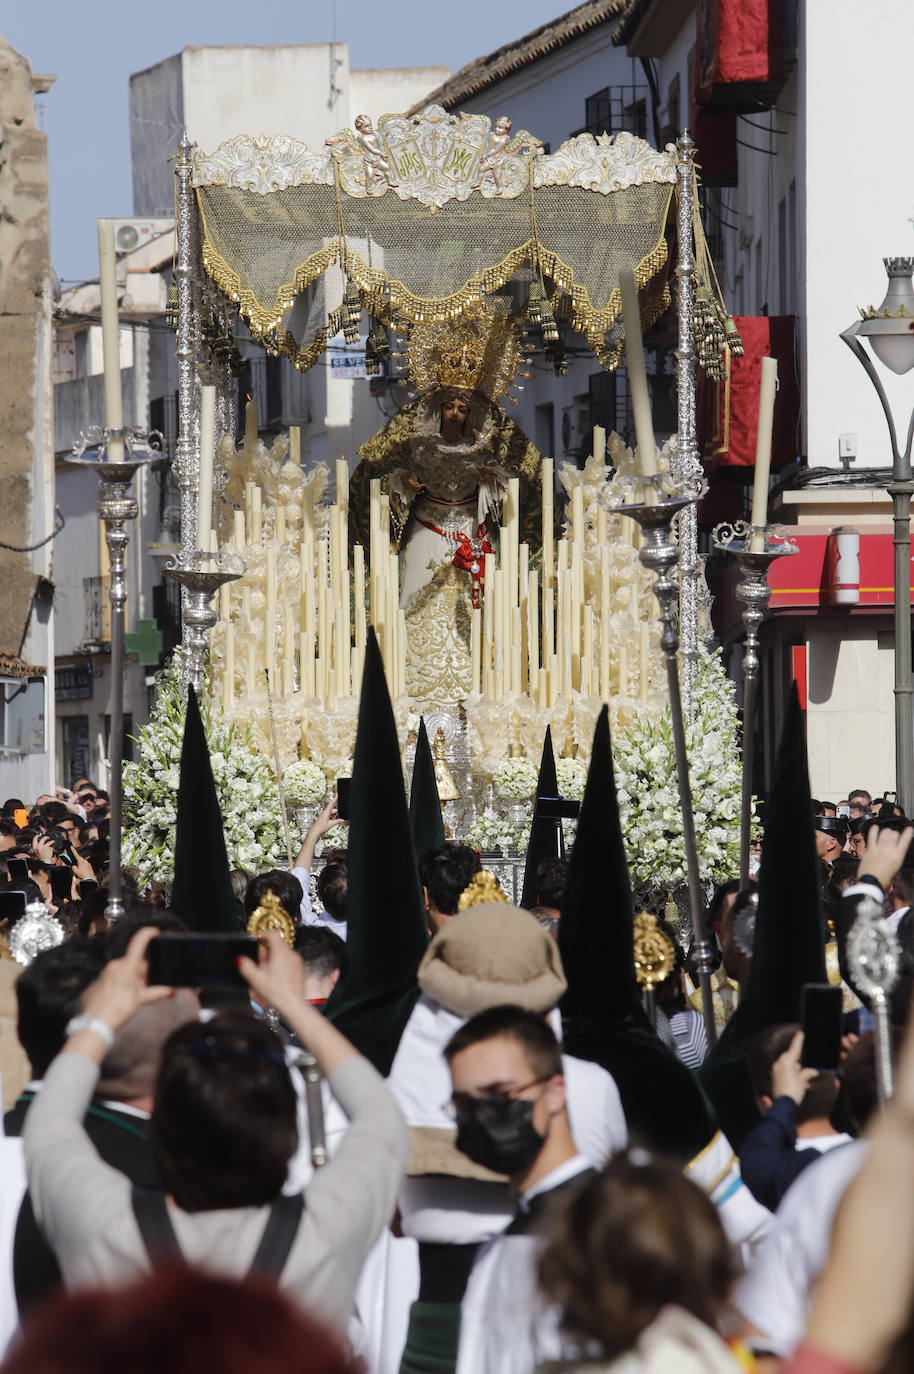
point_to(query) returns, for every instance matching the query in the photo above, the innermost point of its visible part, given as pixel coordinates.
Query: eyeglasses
(466, 1101)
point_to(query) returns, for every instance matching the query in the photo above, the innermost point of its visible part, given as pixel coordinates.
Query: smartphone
(18, 869)
(20, 818)
(843, 809)
(61, 885)
(891, 796)
(343, 791)
(12, 905)
(822, 1006)
(86, 887)
(199, 961)
(558, 808)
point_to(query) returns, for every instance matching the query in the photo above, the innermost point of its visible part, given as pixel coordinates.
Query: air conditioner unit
(132, 233)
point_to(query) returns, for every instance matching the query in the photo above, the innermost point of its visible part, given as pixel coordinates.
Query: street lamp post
(890, 331)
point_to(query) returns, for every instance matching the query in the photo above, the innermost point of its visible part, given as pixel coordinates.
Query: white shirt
(505, 1327)
(321, 918)
(774, 1295)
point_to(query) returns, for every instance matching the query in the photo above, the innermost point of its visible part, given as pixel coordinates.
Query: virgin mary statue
(445, 460)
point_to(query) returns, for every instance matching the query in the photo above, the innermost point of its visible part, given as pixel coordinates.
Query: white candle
(288, 650)
(280, 525)
(637, 375)
(587, 653)
(207, 456)
(228, 678)
(256, 508)
(475, 650)
(548, 479)
(111, 338)
(250, 670)
(295, 445)
(599, 443)
(644, 648)
(250, 425)
(269, 636)
(577, 513)
(358, 583)
(768, 386)
(238, 533)
(342, 485)
(623, 671)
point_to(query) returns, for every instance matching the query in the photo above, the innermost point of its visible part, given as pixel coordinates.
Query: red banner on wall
(804, 578)
(730, 407)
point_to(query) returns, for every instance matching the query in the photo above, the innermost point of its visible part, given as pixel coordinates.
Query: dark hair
(321, 949)
(333, 885)
(53, 812)
(48, 994)
(224, 1123)
(446, 872)
(136, 917)
(13, 804)
(528, 1029)
(721, 893)
(633, 1240)
(858, 1074)
(166, 1319)
(860, 792)
(822, 1091)
(283, 885)
(8, 829)
(550, 881)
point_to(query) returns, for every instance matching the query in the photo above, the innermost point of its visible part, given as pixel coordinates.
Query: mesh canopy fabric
(416, 262)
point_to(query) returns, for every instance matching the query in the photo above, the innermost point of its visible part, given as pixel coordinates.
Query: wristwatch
(82, 1022)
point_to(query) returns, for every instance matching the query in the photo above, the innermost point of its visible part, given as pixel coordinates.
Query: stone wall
(24, 276)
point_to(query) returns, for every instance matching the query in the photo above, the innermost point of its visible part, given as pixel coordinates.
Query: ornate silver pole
(200, 577)
(659, 553)
(686, 463)
(116, 505)
(753, 591)
(874, 958)
(187, 457)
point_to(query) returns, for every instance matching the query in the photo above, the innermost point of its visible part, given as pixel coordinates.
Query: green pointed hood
(424, 804)
(789, 945)
(541, 844)
(602, 1016)
(386, 922)
(202, 890)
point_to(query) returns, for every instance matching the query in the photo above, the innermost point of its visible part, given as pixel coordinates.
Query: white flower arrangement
(305, 784)
(572, 777)
(491, 832)
(244, 784)
(645, 764)
(514, 780)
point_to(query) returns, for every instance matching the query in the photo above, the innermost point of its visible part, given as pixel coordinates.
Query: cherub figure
(496, 151)
(376, 166)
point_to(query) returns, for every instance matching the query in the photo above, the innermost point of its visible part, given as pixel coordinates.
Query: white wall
(283, 90)
(850, 723)
(859, 198)
(380, 90)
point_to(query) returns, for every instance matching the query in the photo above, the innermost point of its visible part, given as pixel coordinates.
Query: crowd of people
(471, 1198)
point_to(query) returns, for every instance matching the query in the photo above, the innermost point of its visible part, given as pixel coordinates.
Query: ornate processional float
(469, 249)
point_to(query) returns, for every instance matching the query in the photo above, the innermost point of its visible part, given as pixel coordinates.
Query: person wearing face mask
(510, 1109)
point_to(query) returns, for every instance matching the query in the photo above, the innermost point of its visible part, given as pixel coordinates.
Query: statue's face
(454, 413)
(362, 123)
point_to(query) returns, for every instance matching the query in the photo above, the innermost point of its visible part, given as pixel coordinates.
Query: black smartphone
(86, 887)
(343, 791)
(18, 869)
(822, 1006)
(61, 885)
(199, 961)
(12, 905)
(558, 808)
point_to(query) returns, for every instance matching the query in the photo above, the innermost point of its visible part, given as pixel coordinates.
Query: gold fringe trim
(386, 297)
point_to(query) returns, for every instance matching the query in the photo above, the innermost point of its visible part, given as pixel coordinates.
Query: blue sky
(94, 46)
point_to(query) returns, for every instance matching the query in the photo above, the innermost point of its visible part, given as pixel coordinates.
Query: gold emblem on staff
(271, 915)
(655, 953)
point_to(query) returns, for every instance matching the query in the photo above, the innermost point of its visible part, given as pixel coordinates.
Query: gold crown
(480, 350)
(271, 915)
(654, 951)
(483, 887)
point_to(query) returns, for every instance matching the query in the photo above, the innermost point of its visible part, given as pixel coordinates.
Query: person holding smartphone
(223, 1130)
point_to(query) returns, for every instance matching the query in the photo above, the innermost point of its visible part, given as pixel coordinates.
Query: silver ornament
(873, 954)
(35, 931)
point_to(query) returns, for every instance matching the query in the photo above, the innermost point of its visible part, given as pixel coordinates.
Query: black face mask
(498, 1133)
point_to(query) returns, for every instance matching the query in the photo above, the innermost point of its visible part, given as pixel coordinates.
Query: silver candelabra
(659, 553)
(200, 576)
(116, 506)
(755, 548)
